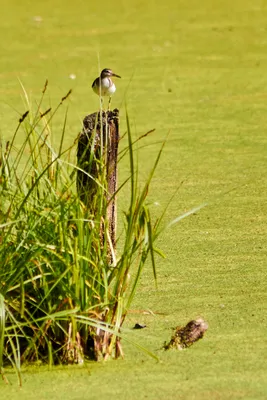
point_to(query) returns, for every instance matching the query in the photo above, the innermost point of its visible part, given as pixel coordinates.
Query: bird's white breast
(107, 87)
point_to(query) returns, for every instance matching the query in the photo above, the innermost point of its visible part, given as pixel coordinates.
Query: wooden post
(99, 129)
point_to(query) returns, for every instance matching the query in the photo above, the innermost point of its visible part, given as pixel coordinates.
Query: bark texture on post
(99, 129)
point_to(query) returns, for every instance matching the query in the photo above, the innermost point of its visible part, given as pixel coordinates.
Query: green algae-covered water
(195, 71)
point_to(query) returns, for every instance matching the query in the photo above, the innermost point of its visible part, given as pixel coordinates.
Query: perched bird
(103, 85)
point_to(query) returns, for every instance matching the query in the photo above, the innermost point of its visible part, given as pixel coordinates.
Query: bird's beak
(117, 76)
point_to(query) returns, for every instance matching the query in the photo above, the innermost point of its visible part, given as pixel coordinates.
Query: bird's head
(107, 73)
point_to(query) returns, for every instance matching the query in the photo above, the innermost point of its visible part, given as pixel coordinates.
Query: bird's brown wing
(95, 83)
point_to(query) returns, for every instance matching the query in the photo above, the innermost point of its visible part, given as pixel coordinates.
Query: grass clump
(62, 299)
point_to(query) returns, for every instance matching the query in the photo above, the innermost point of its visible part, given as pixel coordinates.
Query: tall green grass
(61, 297)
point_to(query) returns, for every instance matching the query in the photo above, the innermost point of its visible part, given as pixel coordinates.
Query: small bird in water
(103, 85)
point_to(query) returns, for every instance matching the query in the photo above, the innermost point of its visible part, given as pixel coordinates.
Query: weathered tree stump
(99, 139)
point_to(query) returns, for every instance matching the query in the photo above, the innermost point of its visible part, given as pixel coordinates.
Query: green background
(195, 71)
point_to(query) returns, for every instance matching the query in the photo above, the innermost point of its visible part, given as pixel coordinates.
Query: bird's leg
(109, 103)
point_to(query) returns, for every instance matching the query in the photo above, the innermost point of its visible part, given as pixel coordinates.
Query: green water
(197, 72)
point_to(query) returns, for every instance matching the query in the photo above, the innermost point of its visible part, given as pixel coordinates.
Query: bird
(103, 85)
